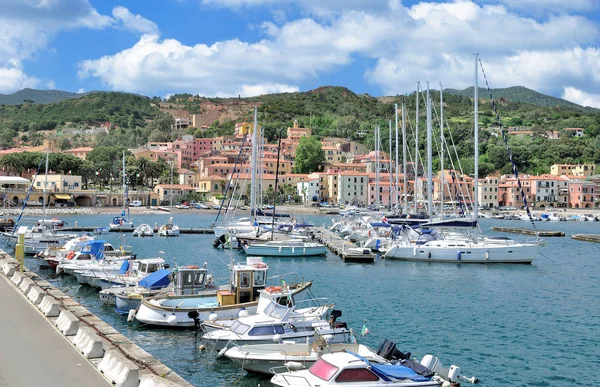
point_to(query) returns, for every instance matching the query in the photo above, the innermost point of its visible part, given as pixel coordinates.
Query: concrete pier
(33, 352)
(346, 250)
(587, 237)
(528, 231)
(64, 344)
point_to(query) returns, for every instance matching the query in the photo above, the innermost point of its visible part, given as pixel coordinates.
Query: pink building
(581, 194)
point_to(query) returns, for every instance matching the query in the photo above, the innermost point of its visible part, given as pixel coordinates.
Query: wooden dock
(587, 237)
(347, 251)
(182, 230)
(529, 231)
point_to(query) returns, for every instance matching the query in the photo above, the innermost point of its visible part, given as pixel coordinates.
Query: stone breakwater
(121, 361)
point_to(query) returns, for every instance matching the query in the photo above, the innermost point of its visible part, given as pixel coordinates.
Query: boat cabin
(191, 280)
(142, 267)
(246, 282)
(91, 250)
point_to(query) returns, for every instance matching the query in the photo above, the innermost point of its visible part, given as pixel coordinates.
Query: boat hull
(518, 253)
(283, 251)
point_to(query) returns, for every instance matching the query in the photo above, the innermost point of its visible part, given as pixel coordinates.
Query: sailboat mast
(476, 145)
(415, 196)
(253, 166)
(441, 152)
(377, 166)
(124, 184)
(429, 157)
(404, 151)
(397, 189)
(390, 165)
(46, 184)
(171, 201)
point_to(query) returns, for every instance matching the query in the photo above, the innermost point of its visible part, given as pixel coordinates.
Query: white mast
(397, 189)
(46, 184)
(415, 196)
(253, 166)
(125, 183)
(429, 157)
(171, 199)
(476, 161)
(441, 152)
(404, 150)
(390, 166)
(377, 166)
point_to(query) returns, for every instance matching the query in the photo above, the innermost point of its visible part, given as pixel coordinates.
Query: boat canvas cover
(124, 267)
(380, 224)
(388, 372)
(94, 248)
(158, 279)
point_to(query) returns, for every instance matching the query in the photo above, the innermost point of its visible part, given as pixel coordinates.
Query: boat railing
(296, 379)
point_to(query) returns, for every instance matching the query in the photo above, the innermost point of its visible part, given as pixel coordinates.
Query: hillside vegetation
(333, 111)
(36, 96)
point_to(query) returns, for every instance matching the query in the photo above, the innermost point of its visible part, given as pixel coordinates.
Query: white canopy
(14, 180)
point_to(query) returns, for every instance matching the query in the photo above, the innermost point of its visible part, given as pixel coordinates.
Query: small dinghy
(143, 230)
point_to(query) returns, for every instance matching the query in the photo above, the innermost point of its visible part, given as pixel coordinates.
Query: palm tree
(144, 166)
(12, 163)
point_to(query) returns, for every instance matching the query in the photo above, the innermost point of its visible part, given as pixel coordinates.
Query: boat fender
(446, 384)
(429, 254)
(202, 347)
(222, 352)
(71, 255)
(277, 338)
(243, 313)
(294, 366)
(459, 255)
(213, 316)
(131, 315)
(172, 320)
(487, 255)
(415, 250)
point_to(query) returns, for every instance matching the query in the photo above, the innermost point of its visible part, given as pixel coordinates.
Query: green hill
(36, 96)
(521, 94)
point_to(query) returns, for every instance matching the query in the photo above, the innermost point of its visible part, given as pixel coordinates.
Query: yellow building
(580, 170)
(244, 128)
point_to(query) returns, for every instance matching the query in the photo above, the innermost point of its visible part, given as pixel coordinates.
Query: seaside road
(32, 352)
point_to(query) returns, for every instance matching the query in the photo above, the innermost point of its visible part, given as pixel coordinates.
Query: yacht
(286, 248)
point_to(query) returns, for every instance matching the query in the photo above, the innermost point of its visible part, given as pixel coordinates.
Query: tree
(64, 143)
(310, 157)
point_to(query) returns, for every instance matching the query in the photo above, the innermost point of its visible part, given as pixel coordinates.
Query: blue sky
(250, 47)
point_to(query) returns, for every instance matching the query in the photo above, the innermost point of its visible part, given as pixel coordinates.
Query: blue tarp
(380, 224)
(124, 267)
(393, 371)
(158, 279)
(94, 248)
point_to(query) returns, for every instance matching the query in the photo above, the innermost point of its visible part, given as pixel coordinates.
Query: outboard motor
(387, 350)
(333, 319)
(219, 241)
(194, 315)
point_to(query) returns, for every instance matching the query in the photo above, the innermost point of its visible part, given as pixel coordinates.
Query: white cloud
(134, 23)
(581, 98)
(80, 91)
(427, 41)
(13, 78)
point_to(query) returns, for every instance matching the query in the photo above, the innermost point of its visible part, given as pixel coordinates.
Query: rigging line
(510, 156)
(27, 196)
(229, 181)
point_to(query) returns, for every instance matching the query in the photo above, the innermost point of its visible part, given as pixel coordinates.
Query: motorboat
(264, 358)
(52, 255)
(41, 236)
(346, 367)
(190, 303)
(92, 255)
(287, 248)
(276, 323)
(143, 230)
(130, 272)
(101, 230)
(152, 284)
(169, 229)
(121, 223)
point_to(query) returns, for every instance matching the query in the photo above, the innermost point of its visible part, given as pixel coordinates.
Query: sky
(251, 47)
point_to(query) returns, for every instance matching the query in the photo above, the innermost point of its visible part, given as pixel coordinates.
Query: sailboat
(122, 222)
(429, 245)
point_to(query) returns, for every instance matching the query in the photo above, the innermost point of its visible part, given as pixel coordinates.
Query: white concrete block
(67, 323)
(88, 343)
(8, 270)
(16, 278)
(36, 295)
(151, 380)
(50, 307)
(26, 285)
(119, 370)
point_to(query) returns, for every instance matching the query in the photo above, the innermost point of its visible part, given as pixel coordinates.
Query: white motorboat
(190, 303)
(348, 368)
(288, 248)
(129, 273)
(121, 223)
(52, 255)
(276, 323)
(263, 358)
(143, 230)
(169, 229)
(91, 255)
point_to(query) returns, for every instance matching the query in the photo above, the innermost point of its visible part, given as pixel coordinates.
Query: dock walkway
(346, 250)
(33, 352)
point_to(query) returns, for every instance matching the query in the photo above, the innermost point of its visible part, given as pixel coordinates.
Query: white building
(353, 188)
(308, 190)
(488, 192)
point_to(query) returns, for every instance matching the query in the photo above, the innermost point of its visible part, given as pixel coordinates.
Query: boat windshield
(323, 370)
(239, 328)
(259, 277)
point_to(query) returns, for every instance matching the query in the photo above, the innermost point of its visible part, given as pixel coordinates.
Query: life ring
(71, 255)
(260, 265)
(273, 289)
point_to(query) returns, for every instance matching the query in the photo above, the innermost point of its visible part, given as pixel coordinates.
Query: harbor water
(509, 325)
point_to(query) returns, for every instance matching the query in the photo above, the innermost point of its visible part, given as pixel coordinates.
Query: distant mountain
(37, 96)
(521, 94)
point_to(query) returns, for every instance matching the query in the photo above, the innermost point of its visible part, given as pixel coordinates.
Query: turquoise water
(515, 325)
